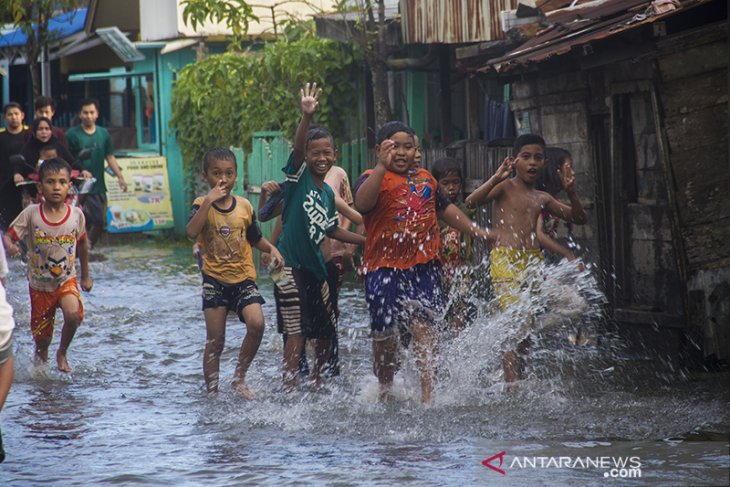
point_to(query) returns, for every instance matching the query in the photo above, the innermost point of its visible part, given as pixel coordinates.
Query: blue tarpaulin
(59, 27)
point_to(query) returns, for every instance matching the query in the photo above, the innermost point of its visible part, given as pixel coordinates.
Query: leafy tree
(32, 16)
(236, 14)
(225, 98)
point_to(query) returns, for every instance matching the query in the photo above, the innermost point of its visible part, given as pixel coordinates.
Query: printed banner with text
(146, 205)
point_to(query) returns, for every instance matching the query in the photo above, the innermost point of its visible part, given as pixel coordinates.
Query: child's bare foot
(63, 365)
(243, 390)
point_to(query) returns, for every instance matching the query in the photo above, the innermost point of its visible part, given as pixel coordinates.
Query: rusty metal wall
(452, 21)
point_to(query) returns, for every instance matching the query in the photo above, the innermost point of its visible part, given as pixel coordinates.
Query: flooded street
(134, 411)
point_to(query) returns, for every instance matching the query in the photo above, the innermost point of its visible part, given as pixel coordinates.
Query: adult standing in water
(89, 135)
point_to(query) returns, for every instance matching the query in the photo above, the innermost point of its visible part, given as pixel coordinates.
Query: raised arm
(308, 104)
(367, 194)
(490, 190)
(197, 221)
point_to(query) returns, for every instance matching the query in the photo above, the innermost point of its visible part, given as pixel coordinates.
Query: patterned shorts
(234, 297)
(43, 305)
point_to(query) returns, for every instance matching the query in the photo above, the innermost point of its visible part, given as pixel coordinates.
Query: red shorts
(43, 305)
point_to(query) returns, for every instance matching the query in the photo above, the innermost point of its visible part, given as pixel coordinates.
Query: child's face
(404, 152)
(529, 161)
(451, 185)
(321, 155)
(55, 186)
(48, 154)
(221, 172)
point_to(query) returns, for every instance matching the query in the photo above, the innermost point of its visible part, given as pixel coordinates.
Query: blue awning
(59, 27)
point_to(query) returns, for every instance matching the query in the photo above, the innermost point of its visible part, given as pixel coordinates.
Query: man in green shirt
(88, 135)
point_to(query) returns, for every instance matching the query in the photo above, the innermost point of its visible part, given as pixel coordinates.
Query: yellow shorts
(512, 270)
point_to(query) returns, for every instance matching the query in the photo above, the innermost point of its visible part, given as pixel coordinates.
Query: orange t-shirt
(402, 229)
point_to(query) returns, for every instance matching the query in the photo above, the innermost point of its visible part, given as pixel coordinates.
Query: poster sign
(146, 205)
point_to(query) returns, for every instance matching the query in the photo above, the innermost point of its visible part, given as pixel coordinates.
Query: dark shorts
(94, 206)
(304, 306)
(394, 295)
(234, 297)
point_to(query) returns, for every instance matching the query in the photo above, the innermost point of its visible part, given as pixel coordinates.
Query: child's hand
(567, 178)
(265, 259)
(505, 169)
(217, 192)
(270, 187)
(276, 258)
(310, 98)
(12, 250)
(385, 154)
(87, 283)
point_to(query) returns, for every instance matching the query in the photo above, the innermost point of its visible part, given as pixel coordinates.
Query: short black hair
(12, 104)
(89, 101)
(44, 101)
(53, 165)
(390, 128)
(47, 148)
(316, 132)
(218, 154)
(442, 167)
(37, 122)
(549, 180)
(527, 139)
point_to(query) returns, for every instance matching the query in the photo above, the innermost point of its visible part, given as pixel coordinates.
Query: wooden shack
(638, 92)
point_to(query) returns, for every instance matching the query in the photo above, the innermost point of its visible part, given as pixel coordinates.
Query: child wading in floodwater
(52, 231)
(401, 206)
(303, 304)
(517, 205)
(227, 225)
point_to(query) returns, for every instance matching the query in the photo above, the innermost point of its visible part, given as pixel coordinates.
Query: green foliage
(236, 14)
(225, 98)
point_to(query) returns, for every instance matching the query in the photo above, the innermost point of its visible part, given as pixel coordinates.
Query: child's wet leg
(71, 307)
(425, 346)
(41, 350)
(292, 352)
(215, 330)
(385, 349)
(323, 349)
(253, 316)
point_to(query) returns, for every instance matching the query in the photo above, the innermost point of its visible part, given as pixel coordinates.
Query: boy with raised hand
(303, 304)
(53, 229)
(517, 205)
(401, 206)
(228, 229)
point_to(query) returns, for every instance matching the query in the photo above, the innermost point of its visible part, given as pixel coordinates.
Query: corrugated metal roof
(572, 27)
(452, 21)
